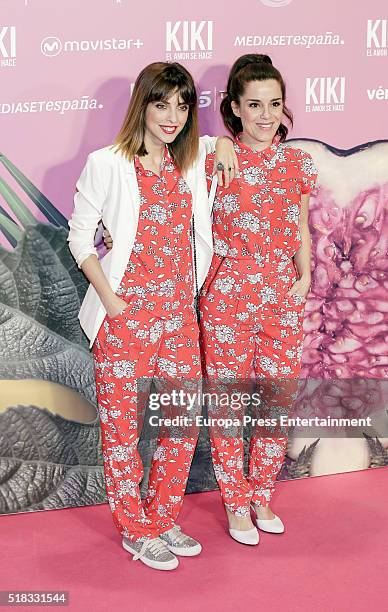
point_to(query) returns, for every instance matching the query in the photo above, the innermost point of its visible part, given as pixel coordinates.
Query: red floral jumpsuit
(247, 323)
(156, 335)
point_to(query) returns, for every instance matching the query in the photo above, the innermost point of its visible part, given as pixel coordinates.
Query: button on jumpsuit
(248, 325)
(156, 335)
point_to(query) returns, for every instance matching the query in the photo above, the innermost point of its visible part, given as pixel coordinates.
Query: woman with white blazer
(149, 190)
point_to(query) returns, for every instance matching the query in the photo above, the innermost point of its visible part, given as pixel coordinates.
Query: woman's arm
(308, 179)
(303, 256)
(88, 205)
(225, 154)
(209, 143)
(112, 303)
(87, 213)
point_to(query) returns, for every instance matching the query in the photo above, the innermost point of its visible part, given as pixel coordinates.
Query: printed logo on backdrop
(325, 94)
(82, 103)
(378, 94)
(288, 40)
(376, 38)
(206, 98)
(275, 3)
(7, 46)
(51, 46)
(211, 97)
(189, 40)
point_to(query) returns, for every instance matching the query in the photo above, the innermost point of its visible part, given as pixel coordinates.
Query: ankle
(264, 512)
(242, 523)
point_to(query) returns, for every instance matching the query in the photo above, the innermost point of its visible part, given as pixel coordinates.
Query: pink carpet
(333, 556)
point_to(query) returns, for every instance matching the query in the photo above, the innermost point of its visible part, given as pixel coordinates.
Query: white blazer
(107, 191)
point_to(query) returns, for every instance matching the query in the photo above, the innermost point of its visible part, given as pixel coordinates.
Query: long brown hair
(157, 82)
(251, 67)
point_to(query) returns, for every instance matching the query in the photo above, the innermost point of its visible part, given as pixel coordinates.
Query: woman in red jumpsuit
(252, 301)
(138, 312)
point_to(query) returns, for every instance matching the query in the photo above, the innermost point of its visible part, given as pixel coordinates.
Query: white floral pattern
(155, 336)
(248, 325)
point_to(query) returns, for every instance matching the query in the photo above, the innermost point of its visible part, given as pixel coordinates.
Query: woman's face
(260, 110)
(165, 119)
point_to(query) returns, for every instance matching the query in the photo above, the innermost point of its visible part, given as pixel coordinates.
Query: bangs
(170, 81)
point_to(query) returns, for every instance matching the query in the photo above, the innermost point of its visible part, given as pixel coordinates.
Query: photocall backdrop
(66, 73)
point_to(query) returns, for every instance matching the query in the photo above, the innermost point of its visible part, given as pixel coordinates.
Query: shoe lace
(155, 546)
(177, 535)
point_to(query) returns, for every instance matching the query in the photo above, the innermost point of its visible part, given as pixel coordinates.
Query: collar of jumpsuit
(266, 154)
(166, 159)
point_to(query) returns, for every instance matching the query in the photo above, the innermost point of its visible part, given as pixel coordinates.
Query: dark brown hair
(157, 82)
(251, 67)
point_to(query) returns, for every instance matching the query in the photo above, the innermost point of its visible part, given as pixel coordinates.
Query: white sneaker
(251, 536)
(179, 543)
(152, 552)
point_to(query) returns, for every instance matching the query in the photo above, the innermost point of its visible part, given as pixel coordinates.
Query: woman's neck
(154, 157)
(256, 145)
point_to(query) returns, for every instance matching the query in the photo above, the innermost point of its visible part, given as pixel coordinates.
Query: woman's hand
(108, 241)
(115, 306)
(300, 287)
(93, 271)
(225, 156)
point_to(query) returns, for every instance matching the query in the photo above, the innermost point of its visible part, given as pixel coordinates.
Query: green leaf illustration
(48, 462)
(41, 279)
(52, 215)
(28, 350)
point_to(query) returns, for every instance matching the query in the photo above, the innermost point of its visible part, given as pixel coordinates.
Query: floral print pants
(126, 349)
(238, 343)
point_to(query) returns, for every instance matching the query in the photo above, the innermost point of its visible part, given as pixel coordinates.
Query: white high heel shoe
(274, 525)
(251, 536)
